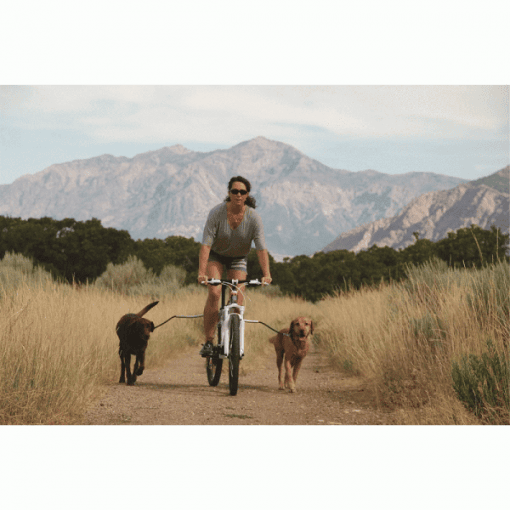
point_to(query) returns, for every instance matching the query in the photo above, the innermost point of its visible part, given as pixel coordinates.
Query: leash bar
(197, 316)
(267, 326)
(180, 317)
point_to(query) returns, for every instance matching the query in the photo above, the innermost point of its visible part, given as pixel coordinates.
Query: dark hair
(250, 201)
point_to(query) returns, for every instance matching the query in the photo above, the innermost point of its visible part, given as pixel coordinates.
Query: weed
(482, 383)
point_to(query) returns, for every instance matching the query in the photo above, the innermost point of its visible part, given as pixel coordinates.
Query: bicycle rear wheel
(234, 355)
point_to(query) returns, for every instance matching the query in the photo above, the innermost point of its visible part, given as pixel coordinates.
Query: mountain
(304, 204)
(485, 202)
(499, 181)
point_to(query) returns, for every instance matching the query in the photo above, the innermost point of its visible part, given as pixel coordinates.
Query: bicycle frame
(227, 312)
(231, 326)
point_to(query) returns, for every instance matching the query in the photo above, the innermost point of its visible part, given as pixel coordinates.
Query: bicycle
(230, 335)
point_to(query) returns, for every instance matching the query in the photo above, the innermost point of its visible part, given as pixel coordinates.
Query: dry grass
(404, 338)
(59, 348)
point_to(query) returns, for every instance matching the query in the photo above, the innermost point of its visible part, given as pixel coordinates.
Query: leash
(180, 317)
(267, 326)
(197, 316)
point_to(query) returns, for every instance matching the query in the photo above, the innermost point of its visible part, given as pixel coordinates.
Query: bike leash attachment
(197, 316)
(180, 317)
(267, 326)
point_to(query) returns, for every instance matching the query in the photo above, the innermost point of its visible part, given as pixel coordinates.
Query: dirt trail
(178, 394)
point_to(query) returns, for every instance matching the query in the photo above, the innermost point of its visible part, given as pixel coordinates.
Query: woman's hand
(266, 280)
(202, 279)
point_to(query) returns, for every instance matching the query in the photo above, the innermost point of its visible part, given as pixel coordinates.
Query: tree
(473, 246)
(174, 250)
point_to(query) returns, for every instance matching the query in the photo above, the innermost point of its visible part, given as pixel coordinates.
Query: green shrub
(482, 384)
(15, 269)
(132, 278)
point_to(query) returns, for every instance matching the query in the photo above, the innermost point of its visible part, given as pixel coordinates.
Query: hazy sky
(454, 130)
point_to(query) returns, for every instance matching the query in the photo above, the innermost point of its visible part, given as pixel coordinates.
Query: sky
(453, 130)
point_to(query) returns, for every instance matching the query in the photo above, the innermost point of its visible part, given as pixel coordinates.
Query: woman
(229, 231)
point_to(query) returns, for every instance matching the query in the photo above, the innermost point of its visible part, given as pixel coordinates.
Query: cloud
(229, 114)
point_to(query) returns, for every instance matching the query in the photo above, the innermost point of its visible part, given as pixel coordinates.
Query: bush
(132, 278)
(482, 384)
(15, 269)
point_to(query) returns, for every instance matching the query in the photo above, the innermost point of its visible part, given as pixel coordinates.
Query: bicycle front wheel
(234, 355)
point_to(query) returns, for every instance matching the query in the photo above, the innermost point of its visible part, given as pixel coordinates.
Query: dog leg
(140, 364)
(135, 367)
(279, 363)
(122, 369)
(296, 370)
(289, 382)
(131, 378)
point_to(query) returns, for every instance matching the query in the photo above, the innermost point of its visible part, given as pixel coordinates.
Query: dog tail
(146, 309)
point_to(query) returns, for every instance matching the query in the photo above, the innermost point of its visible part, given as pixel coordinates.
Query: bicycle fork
(225, 320)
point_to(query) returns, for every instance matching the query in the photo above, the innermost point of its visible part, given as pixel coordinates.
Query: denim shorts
(236, 263)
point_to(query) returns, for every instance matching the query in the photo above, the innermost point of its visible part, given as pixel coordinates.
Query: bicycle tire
(213, 365)
(234, 354)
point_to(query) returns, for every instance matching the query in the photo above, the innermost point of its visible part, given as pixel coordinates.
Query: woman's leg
(214, 270)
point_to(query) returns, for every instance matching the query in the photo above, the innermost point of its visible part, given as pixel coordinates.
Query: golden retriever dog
(133, 333)
(292, 344)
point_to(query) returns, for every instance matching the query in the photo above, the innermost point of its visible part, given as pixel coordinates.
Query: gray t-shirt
(219, 235)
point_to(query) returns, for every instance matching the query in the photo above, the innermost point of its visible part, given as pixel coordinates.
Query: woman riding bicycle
(229, 231)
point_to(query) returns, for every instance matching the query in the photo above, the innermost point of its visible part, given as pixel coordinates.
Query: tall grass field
(434, 348)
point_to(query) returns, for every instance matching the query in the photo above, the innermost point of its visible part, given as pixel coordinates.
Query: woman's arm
(202, 263)
(264, 265)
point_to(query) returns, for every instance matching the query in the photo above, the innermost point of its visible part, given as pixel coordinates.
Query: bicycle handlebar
(250, 283)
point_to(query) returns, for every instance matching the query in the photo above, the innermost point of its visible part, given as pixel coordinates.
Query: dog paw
(281, 388)
(139, 371)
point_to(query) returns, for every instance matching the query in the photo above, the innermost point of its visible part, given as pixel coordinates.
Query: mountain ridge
(434, 214)
(303, 203)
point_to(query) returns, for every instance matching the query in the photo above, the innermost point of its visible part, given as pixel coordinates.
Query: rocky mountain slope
(485, 202)
(303, 203)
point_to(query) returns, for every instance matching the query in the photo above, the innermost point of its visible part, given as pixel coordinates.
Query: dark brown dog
(133, 333)
(293, 344)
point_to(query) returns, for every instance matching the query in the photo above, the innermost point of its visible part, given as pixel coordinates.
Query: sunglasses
(237, 191)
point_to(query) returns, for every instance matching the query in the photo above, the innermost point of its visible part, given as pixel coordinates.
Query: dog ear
(152, 326)
(291, 327)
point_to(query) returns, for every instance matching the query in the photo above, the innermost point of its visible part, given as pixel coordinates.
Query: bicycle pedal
(206, 352)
